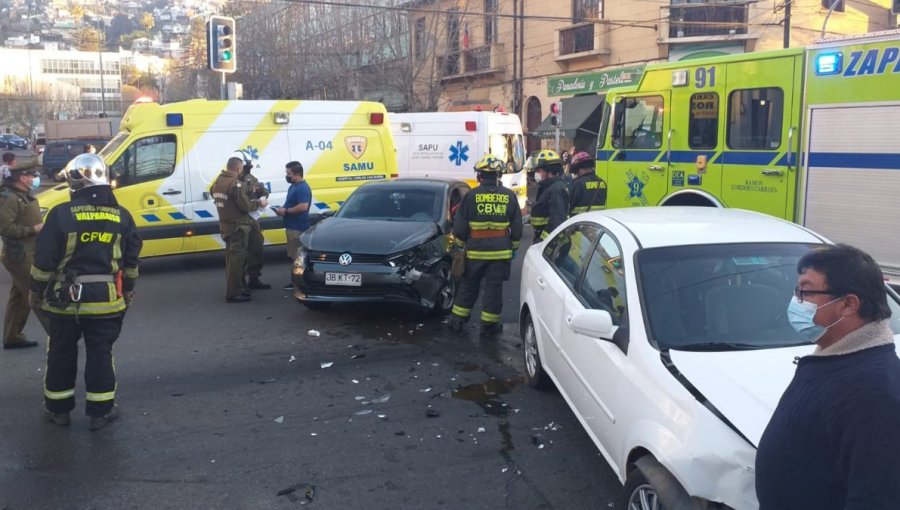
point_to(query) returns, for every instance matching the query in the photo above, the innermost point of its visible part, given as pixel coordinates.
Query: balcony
(472, 63)
(714, 20)
(584, 40)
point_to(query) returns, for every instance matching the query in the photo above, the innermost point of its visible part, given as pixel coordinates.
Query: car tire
(316, 305)
(639, 493)
(447, 294)
(534, 368)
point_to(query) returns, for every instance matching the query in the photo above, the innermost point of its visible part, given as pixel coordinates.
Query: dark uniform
(551, 207)
(255, 241)
(19, 214)
(588, 194)
(489, 225)
(234, 206)
(84, 273)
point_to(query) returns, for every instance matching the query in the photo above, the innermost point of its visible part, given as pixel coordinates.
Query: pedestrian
(588, 190)
(256, 241)
(10, 163)
(833, 441)
(83, 277)
(20, 223)
(551, 204)
(488, 225)
(89, 149)
(295, 210)
(234, 206)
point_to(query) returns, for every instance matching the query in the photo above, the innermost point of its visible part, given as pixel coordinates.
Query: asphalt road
(230, 405)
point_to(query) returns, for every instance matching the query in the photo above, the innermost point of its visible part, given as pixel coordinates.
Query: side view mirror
(593, 323)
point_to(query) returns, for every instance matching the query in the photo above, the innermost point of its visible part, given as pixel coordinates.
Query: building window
(838, 8)
(584, 10)
(701, 19)
(755, 119)
(703, 127)
(490, 22)
(420, 39)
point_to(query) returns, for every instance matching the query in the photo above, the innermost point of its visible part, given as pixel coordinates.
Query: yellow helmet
(546, 157)
(489, 163)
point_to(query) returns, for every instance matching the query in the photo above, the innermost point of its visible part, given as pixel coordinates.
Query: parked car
(390, 241)
(11, 141)
(58, 153)
(665, 330)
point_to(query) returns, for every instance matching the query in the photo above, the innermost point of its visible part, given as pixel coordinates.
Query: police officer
(551, 205)
(255, 242)
(588, 190)
(234, 206)
(489, 225)
(83, 277)
(20, 222)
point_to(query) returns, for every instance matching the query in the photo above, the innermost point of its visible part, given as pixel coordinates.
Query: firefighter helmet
(580, 160)
(549, 161)
(86, 170)
(489, 164)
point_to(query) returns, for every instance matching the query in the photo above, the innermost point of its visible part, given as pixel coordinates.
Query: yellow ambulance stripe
(267, 130)
(198, 123)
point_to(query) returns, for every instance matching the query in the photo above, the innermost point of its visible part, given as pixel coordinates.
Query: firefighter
(551, 205)
(20, 222)
(488, 225)
(256, 241)
(83, 277)
(234, 206)
(588, 190)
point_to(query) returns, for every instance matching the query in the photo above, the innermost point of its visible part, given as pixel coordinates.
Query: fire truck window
(703, 128)
(639, 123)
(755, 119)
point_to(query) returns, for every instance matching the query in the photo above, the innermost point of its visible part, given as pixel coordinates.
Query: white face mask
(538, 177)
(802, 315)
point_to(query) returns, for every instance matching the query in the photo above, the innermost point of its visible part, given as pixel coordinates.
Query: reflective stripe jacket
(588, 193)
(489, 223)
(87, 237)
(551, 207)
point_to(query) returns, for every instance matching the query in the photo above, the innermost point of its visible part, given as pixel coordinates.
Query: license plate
(346, 279)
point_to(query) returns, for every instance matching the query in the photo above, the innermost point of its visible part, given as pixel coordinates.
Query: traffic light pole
(557, 139)
(223, 88)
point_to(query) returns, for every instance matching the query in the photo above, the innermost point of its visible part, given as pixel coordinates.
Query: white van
(447, 145)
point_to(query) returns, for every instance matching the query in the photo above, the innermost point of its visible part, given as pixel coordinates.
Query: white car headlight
(300, 261)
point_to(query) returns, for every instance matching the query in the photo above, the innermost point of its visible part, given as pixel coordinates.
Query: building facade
(524, 55)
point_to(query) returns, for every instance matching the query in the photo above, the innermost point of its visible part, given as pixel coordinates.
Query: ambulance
(165, 158)
(446, 145)
(809, 135)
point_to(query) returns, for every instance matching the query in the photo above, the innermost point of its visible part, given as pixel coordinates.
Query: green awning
(579, 113)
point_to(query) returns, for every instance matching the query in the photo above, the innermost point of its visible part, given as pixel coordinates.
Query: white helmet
(86, 170)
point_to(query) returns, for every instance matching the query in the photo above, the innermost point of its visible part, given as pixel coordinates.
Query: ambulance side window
(146, 159)
(639, 123)
(755, 119)
(703, 127)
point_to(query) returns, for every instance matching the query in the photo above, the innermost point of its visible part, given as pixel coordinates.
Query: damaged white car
(665, 331)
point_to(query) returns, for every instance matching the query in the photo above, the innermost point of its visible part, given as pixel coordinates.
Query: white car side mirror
(593, 323)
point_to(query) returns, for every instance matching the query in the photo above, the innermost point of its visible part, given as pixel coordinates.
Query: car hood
(373, 237)
(745, 386)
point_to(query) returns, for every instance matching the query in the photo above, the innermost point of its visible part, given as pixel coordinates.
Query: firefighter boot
(61, 419)
(491, 329)
(456, 324)
(98, 422)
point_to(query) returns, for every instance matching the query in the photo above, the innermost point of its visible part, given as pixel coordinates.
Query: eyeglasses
(800, 293)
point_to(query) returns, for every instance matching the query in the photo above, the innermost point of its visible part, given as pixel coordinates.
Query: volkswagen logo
(345, 259)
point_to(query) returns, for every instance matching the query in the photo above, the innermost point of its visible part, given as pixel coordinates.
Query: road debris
(326, 364)
(309, 491)
(432, 413)
(293, 359)
(313, 333)
(381, 400)
(363, 412)
(280, 419)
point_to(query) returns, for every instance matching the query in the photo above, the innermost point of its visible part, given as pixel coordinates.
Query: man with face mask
(295, 210)
(834, 439)
(20, 223)
(551, 204)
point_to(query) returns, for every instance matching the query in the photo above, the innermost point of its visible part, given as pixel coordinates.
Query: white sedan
(665, 331)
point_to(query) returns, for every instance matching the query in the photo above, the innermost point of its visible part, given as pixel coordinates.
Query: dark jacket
(588, 194)
(19, 213)
(232, 202)
(551, 206)
(489, 223)
(88, 241)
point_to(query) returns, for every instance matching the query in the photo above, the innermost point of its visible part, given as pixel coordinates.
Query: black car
(390, 241)
(10, 141)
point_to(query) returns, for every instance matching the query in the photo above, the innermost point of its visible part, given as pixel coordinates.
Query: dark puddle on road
(486, 395)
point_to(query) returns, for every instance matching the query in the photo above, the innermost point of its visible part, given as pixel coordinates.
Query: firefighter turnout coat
(551, 207)
(489, 223)
(87, 256)
(588, 194)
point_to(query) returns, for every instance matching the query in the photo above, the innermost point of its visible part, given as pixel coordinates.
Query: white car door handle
(569, 319)
(540, 281)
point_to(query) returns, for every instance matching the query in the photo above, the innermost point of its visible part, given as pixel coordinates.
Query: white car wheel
(639, 494)
(534, 369)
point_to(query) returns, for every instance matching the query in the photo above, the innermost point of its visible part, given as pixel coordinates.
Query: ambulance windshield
(111, 147)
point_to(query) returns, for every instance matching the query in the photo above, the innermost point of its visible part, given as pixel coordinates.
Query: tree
(119, 27)
(87, 39)
(25, 105)
(147, 22)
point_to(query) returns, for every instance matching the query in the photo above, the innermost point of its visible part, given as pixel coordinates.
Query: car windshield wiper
(718, 346)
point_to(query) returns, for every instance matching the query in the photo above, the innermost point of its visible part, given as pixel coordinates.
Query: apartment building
(524, 55)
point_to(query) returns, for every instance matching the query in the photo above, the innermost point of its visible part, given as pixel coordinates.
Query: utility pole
(787, 23)
(100, 40)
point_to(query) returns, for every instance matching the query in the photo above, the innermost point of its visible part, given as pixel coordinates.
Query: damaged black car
(390, 241)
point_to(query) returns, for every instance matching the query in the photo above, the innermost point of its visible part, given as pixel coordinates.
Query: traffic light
(555, 115)
(221, 44)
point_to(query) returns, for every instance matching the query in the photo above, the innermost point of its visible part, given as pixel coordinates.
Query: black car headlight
(403, 258)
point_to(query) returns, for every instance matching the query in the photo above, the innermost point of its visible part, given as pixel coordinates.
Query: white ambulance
(166, 157)
(447, 145)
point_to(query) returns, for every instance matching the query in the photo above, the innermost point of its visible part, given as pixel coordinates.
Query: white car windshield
(723, 297)
(392, 204)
